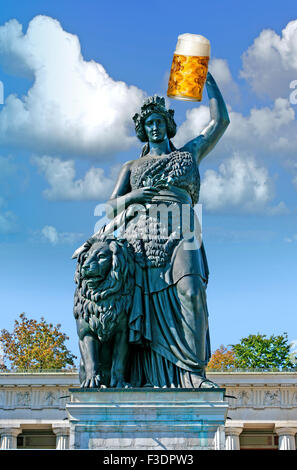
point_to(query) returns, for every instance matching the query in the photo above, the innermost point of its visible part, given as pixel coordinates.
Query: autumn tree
(35, 345)
(222, 358)
(255, 352)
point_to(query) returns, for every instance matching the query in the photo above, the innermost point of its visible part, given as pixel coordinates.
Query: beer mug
(189, 67)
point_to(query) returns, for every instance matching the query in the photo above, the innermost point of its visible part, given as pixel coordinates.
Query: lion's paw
(92, 382)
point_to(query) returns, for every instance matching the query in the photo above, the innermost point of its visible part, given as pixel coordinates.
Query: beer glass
(189, 67)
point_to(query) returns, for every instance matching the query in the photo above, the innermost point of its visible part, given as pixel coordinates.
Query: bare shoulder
(122, 185)
(127, 165)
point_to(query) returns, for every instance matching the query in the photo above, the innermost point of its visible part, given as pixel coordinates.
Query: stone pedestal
(147, 419)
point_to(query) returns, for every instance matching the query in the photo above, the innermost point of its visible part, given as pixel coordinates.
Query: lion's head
(105, 283)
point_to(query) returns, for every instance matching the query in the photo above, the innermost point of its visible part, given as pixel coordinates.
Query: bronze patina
(167, 318)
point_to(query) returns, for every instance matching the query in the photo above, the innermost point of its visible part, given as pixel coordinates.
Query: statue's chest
(177, 169)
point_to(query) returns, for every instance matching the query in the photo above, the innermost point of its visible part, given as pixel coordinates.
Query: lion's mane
(102, 307)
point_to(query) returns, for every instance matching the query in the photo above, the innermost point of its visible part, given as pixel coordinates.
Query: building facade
(262, 409)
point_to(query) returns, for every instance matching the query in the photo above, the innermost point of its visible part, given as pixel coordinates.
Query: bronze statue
(168, 319)
(102, 300)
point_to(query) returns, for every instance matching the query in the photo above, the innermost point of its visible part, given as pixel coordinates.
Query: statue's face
(155, 128)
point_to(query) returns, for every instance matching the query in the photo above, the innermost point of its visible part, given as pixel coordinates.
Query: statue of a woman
(169, 318)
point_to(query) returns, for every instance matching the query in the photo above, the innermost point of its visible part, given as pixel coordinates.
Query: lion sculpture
(102, 301)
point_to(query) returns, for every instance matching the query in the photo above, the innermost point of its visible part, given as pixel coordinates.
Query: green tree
(262, 352)
(293, 353)
(35, 345)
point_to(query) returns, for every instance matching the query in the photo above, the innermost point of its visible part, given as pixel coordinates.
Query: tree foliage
(255, 352)
(35, 345)
(262, 352)
(222, 358)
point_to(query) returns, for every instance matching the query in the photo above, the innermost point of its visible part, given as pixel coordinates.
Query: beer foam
(193, 45)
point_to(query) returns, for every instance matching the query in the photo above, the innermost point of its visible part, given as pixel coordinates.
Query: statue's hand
(209, 79)
(142, 195)
(213, 90)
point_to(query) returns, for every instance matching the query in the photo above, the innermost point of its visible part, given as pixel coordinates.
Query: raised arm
(219, 121)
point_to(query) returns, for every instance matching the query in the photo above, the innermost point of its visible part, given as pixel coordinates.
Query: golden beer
(189, 67)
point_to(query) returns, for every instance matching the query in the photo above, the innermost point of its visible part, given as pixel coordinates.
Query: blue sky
(73, 75)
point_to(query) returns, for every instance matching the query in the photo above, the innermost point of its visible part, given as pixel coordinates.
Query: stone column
(286, 438)
(62, 433)
(219, 438)
(9, 437)
(232, 437)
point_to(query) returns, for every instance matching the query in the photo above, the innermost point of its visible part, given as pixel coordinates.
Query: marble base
(147, 419)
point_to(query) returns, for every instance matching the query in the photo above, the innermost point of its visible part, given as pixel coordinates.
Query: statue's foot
(205, 383)
(91, 382)
(127, 385)
(119, 383)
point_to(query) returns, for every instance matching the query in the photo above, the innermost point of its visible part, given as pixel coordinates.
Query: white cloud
(73, 107)
(267, 131)
(279, 209)
(8, 220)
(271, 131)
(196, 120)
(50, 234)
(270, 63)
(220, 70)
(63, 186)
(239, 183)
(291, 239)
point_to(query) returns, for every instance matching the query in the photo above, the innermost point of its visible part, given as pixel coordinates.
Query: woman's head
(153, 106)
